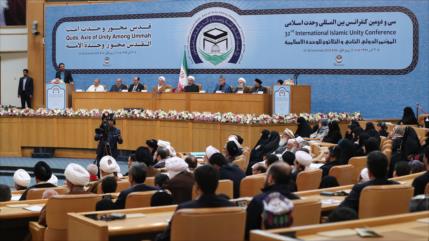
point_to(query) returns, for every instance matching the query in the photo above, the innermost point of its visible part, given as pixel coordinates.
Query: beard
(283, 141)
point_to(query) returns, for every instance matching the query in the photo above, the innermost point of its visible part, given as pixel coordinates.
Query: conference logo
(339, 59)
(216, 38)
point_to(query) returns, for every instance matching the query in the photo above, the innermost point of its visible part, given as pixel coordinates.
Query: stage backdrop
(367, 56)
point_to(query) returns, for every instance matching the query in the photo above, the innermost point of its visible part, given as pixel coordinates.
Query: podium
(291, 99)
(58, 96)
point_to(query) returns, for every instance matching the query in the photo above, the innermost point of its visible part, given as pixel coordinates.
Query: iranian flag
(183, 76)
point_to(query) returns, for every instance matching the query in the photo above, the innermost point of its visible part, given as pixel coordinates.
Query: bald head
(279, 173)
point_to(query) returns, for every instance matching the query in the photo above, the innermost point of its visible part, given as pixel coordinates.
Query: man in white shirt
(96, 87)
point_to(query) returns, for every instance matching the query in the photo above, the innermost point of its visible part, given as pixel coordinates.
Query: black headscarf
(410, 143)
(334, 133)
(272, 144)
(408, 117)
(347, 150)
(304, 129)
(257, 153)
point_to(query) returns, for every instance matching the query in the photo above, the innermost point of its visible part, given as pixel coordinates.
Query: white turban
(164, 144)
(53, 180)
(210, 150)
(161, 78)
(299, 140)
(289, 133)
(191, 77)
(92, 168)
(175, 165)
(234, 139)
(108, 164)
(364, 176)
(303, 158)
(242, 79)
(76, 174)
(21, 178)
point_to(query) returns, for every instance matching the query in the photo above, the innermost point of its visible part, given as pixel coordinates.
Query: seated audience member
(371, 145)
(276, 182)
(143, 155)
(259, 168)
(360, 144)
(161, 156)
(108, 185)
(162, 86)
(22, 179)
(168, 146)
(407, 150)
(341, 214)
(163, 196)
(334, 133)
(382, 129)
(420, 182)
(322, 131)
(303, 129)
(408, 117)
(136, 177)
(302, 163)
(279, 82)
(118, 86)
(271, 159)
(93, 171)
(416, 166)
(76, 179)
(181, 180)
(108, 167)
(233, 150)
(5, 193)
(284, 138)
(401, 169)
(191, 87)
(136, 86)
(47, 194)
(210, 150)
(96, 87)
(333, 160)
(227, 171)
(207, 180)
(152, 144)
(241, 86)
(289, 158)
(42, 172)
(222, 86)
(192, 162)
(353, 131)
(257, 153)
(329, 181)
(258, 88)
(377, 171)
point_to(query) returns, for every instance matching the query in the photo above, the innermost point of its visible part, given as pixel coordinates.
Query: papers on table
(135, 215)
(17, 205)
(330, 201)
(16, 197)
(34, 208)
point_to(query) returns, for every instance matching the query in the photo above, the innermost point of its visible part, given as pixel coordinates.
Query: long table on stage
(194, 102)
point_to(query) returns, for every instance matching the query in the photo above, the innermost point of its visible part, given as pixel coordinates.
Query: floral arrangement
(229, 117)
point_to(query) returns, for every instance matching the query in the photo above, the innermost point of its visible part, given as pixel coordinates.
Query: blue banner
(224, 38)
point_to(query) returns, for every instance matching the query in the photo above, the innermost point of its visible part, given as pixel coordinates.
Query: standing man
(64, 74)
(25, 89)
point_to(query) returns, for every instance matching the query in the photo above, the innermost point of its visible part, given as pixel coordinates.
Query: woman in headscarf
(338, 155)
(372, 132)
(382, 129)
(353, 131)
(272, 144)
(334, 133)
(256, 155)
(360, 146)
(304, 129)
(408, 117)
(396, 135)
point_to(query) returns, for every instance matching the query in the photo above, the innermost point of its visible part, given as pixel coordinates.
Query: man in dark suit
(64, 74)
(136, 86)
(25, 89)
(207, 180)
(42, 173)
(227, 171)
(222, 86)
(118, 86)
(377, 170)
(136, 177)
(191, 87)
(258, 87)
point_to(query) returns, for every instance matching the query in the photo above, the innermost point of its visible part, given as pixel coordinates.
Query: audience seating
(251, 185)
(224, 187)
(384, 200)
(37, 193)
(122, 185)
(139, 199)
(306, 212)
(57, 208)
(150, 181)
(359, 163)
(308, 180)
(344, 174)
(203, 223)
(427, 189)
